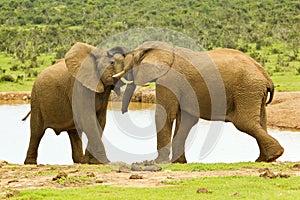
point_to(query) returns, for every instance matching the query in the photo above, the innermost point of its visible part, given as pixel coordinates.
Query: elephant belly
(59, 118)
(205, 107)
(59, 127)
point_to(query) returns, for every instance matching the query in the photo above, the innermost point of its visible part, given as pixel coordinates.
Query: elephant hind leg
(37, 131)
(254, 125)
(76, 144)
(184, 123)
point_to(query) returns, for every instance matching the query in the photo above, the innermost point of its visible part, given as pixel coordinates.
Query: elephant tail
(270, 89)
(270, 84)
(24, 118)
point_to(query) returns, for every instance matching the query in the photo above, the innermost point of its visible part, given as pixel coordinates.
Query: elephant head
(94, 68)
(145, 57)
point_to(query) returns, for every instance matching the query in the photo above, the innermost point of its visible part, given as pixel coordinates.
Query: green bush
(298, 71)
(7, 78)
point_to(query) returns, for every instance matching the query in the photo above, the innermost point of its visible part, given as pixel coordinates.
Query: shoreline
(283, 113)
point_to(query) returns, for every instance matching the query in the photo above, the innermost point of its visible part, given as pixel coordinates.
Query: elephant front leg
(84, 102)
(95, 152)
(184, 123)
(164, 132)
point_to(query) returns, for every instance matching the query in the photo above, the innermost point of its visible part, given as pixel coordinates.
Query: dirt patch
(15, 97)
(19, 177)
(283, 113)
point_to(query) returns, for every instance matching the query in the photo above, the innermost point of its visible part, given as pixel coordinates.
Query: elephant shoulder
(57, 70)
(54, 75)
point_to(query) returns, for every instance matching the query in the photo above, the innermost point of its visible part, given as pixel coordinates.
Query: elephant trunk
(130, 88)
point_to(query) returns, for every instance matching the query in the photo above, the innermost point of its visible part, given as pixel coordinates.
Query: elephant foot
(93, 160)
(90, 159)
(273, 153)
(162, 160)
(79, 160)
(30, 161)
(181, 159)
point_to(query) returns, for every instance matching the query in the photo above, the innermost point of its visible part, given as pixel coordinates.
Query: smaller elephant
(72, 95)
(219, 85)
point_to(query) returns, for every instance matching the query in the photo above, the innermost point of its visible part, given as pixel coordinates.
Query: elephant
(217, 85)
(72, 95)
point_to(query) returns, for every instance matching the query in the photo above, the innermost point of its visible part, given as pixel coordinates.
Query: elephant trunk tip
(124, 111)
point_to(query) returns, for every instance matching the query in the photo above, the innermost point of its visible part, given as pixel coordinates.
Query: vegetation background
(35, 33)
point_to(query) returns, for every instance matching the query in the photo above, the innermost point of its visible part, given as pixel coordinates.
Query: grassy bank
(235, 187)
(223, 186)
(20, 77)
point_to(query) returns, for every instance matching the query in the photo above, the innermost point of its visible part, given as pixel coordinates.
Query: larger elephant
(221, 85)
(72, 95)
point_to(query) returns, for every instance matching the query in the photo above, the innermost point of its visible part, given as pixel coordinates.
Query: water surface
(132, 137)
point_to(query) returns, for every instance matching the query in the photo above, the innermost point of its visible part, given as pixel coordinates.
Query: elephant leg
(102, 121)
(76, 144)
(95, 151)
(85, 118)
(164, 134)
(255, 125)
(263, 123)
(184, 123)
(36, 133)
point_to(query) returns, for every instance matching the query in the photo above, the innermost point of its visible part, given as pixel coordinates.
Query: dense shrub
(7, 78)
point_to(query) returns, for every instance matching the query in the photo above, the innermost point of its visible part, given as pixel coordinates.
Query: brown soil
(19, 177)
(283, 113)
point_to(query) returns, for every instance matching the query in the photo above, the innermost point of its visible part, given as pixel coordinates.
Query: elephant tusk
(125, 81)
(119, 75)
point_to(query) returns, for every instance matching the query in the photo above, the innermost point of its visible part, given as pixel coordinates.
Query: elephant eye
(112, 62)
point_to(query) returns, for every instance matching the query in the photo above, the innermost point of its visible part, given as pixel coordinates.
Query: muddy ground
(283, 113)
(14, 178)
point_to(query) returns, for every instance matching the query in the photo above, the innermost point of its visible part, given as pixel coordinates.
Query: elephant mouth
(109, 81)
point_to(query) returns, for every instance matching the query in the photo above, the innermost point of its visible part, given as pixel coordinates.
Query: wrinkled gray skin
(130, 88)
(221, 85)
(53, 104)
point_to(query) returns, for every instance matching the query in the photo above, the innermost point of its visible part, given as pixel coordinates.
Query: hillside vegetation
(34, 33)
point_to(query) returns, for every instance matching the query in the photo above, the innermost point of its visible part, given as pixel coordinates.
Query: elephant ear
(151, 64)
(148, 72)
(81, 63)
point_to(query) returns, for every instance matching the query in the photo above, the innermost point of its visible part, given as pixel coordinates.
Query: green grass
(224, 166)
(222, 187)
(234, 187)
(286, 81)
(23, 77)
